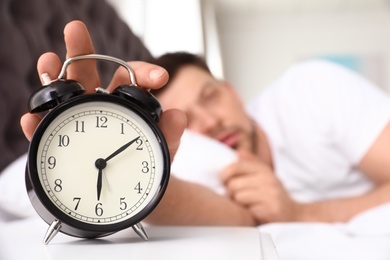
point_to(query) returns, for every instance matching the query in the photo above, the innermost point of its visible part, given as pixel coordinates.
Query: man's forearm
(342, 210)
(187, 203)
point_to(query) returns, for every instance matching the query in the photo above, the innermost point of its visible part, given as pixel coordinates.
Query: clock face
(100, 163)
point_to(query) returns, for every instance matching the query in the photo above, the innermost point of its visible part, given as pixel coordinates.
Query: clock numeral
(122, 129)
(140, 143)
(99, 209)
(138, 188)
(52, 162)
(123, 204)
(77, 203)
(80, 127)
(63, 141)
(101, 122)
(145, 168)
(58, 185)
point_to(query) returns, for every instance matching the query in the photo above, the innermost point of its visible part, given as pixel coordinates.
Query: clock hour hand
(100, 164)
(121, 149)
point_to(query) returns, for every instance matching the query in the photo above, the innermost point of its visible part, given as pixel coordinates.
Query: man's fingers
(78, 42)
(172, 125)
(236, 169)
(244, 154)
(243, 167)
(49, 63)
(249, 197)
(29, 123)
(147, 76)
(244, 182)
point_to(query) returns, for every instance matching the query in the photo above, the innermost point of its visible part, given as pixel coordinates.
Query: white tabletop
(23, 240)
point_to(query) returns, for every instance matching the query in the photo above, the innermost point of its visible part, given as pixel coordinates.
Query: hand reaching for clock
(78, 42)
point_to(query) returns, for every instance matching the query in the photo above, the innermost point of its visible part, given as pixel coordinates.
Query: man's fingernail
(156, 73)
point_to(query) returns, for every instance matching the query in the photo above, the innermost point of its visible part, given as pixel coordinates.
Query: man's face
(212, 107)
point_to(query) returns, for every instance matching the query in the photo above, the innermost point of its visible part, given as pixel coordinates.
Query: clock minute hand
(121, 149)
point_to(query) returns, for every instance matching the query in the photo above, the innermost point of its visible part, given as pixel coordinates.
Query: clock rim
(49, 212)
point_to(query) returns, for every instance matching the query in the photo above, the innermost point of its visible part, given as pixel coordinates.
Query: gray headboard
(30, 28)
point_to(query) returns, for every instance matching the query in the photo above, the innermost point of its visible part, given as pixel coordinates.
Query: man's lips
(230, 139)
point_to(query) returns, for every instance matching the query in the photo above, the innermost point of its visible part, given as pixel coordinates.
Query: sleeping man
(309, 159)
(313, 147)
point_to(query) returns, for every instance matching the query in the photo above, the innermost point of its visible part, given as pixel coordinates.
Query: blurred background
(251, 42)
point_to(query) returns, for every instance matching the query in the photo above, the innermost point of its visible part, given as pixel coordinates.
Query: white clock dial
(67, 163)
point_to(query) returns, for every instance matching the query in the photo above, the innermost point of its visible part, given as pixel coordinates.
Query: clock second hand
(102, 163)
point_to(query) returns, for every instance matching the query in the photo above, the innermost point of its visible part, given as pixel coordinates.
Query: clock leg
(139, 229)
(52, 231)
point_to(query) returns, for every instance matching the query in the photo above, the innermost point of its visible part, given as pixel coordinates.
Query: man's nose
(205, 121)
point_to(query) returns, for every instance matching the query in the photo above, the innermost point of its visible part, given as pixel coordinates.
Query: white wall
(259, 46)
(164, 26)
(132, 12)
(259, 41)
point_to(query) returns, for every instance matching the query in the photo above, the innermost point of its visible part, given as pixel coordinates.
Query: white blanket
(199, 159)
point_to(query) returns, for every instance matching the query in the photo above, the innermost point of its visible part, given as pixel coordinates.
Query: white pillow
(14, 201)
(200, 159)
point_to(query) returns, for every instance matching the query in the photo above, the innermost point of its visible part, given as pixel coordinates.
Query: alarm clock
(97, 163)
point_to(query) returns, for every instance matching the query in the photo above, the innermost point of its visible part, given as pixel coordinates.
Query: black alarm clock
(97, 163)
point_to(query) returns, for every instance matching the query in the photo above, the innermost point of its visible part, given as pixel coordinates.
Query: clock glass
(99, 162)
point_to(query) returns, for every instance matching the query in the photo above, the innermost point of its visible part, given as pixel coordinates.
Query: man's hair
(174, 61)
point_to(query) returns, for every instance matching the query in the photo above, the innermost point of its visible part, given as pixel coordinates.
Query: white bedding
(14, 201)
(367, 236)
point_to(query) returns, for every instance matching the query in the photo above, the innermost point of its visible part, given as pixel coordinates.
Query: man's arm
(376, 165)
(254, 185)
(187, 203)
